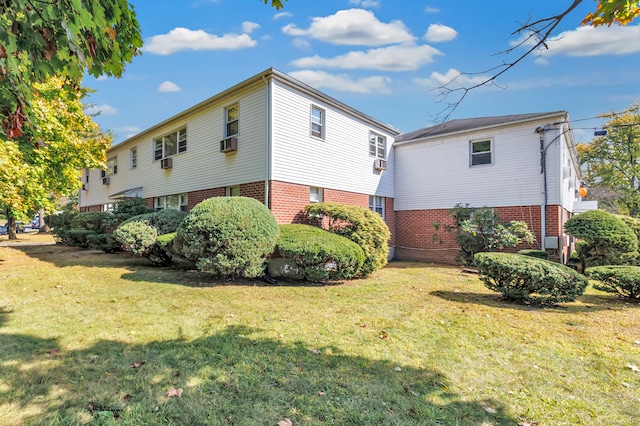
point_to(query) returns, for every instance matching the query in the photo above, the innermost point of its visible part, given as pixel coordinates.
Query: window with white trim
(377, 145)
(107, 207)
(480, 152)
(232, 191)
(231, 121)
(317, 122)
(315, 194)
(170, 144)
(112, 166)
(376, 204)
(133, 157)
(173, 202)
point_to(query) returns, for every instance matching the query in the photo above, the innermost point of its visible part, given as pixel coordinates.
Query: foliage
(104, 242)
(228, 236)
(540, 254)
(527, 279)
(92, 221)
(621, 280)
(604, 239)
(620, 12)
(613, 160)
(79, 237)
(62, 38)
(319, 255)
(60, 225)
(43, 164)
(479, 230)
(362, 226)
(141, 234)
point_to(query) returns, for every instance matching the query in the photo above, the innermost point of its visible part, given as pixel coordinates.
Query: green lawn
(101, 339)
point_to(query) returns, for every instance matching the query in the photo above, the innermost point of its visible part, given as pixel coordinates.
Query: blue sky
(381, 57)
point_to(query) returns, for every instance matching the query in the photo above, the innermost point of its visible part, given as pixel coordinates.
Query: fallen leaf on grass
(285, 422)
(126, 398)
(138, 364)
(490, 410)
(315, 352)
(54, 351)
(528, 424)
(625, 384)
(173, 392)
(320, 393)
(383, 334)
(633, 368)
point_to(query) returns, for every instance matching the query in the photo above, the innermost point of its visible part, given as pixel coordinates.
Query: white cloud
(128, 131)
(342, 82)
(185, 39)
(282, 15)
(168, 86)
(365, 3)
(437, 33)
(431, 9)
(353, 27)
(248, 26)
(591, 41)
(452, 78)
(104, 109)
(301, 43)
(392, 58)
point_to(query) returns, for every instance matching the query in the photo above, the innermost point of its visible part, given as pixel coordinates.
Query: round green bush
(164, 221)
(136, 237)
(362, 226)
(540, 254)
(228, 236)
(317, 255)
(621, 280)
(528, 279)
(604, 239)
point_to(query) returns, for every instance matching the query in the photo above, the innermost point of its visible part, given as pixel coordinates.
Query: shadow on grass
(232, 377)
(590, 302)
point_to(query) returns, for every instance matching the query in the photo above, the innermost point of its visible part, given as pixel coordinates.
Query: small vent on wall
(229, 144)
(380, 164)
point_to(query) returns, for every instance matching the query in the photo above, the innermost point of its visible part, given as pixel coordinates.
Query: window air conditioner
(166, 163)
(380, 164)
(106, 180)
(229, 144)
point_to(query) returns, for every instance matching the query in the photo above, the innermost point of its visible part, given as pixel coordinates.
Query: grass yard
(108, 339)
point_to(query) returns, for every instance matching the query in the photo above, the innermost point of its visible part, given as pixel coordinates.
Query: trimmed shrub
(104, 242)
(228, 236)
(621, 280)
(362, 226)
(125, 209)
(318, 255)
(136, 237)
(605, 239)
(60, 225)
(527, 279)
(91, 221)
(164, 221)
(78, 237)
(540, 254)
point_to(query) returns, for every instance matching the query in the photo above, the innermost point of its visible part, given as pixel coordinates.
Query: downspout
(543, 172)
(268, 140)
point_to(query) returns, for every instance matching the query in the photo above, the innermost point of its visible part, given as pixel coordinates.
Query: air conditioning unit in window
(380, 164)
(166, 163)
(229, 144)
(85, 186)
(106, 180)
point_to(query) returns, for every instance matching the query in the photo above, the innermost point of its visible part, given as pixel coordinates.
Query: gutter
(268, 141)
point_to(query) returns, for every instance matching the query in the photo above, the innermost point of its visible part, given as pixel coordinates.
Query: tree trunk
(42, 227)
(11, 227)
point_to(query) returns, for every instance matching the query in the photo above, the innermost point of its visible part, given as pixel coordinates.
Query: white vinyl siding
(435, 174)
(341, 162)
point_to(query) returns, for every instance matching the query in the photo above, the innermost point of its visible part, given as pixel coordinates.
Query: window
(107, 208)
(231, 121)
(480, 152)
(317, 122)
(174, 202)
(315, 194)
(170, 144)
(133, 157)
(376, 204)
(232, 191)
(377, 145)
(112, 166)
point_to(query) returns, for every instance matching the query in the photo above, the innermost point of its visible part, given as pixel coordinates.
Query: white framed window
(231, 121)
(170, 144)
(112, 166)
(232, 191)
(315, 194)
(377, 145)
(174, 202)
(480, 152)
(107, 207)
(376, 204)
(133, 157)
(317, 122)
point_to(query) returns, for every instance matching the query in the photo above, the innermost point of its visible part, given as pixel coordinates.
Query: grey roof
(466, 124)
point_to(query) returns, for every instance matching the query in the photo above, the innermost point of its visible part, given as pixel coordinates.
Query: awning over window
(128, 193)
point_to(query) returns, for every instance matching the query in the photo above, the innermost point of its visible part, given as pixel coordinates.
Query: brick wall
(417, 239)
